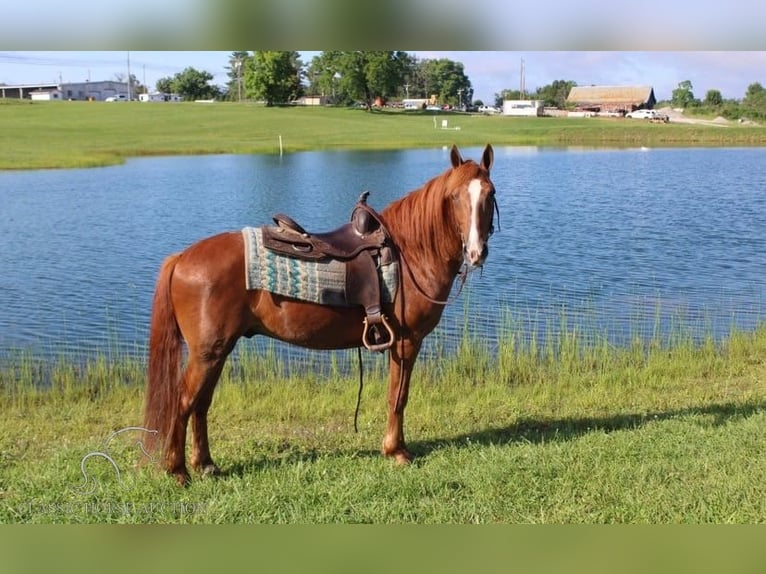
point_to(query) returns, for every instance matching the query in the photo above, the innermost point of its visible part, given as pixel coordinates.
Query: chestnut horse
(200, 298)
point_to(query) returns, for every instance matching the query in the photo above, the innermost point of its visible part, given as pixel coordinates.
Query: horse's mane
(423, 219)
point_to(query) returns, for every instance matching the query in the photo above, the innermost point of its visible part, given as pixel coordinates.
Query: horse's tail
(163, 386)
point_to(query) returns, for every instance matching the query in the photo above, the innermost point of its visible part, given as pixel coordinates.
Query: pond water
(621, 243)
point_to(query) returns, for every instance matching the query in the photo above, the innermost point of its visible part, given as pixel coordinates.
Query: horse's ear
(488, 157)
(455, 156)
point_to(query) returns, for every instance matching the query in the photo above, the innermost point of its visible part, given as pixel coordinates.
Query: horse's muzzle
(475, 257)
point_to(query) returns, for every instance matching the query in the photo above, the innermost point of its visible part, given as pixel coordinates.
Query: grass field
(571, 431)
(89, 134)
(561, 434)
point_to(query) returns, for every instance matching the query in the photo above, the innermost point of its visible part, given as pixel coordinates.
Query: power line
(21, 59)
(27, 60)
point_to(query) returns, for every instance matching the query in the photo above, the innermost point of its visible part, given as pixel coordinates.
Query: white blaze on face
(474, 248)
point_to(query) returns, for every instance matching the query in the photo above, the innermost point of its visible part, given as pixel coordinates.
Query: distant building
(21, 91)
(313, 101)
(523, 107)
(613, 99)
(159, 97)
(98, 91)
(45, 96)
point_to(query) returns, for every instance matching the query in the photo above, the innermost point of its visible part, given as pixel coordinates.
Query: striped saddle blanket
(322, 281)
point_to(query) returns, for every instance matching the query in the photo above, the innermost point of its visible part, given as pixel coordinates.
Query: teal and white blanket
(321, 282)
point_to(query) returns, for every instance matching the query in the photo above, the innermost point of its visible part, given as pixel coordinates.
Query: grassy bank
(560, 433)
(89, 134)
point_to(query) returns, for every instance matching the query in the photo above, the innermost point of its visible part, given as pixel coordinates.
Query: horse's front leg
(402, 360)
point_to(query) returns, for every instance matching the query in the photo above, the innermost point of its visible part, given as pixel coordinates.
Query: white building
(45, 96)
(523, 107)
(98, 91)
(159, 97)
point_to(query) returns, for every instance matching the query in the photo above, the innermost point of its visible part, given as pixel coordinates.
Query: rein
(463, 273)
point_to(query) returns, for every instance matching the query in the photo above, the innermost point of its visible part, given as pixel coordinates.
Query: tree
(193, 84)
(353, 76)
(322, 75)
(555, 94)
(164, 85)
(360, 75)
(683, 97)
(273, 76)
(445, 79)
(383, 74)
(508, 95)
(713, 98)
(754, 90)
(754, 103)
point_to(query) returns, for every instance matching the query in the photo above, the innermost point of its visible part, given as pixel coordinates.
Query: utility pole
(239, 79)
(129, 98)
(522, 87)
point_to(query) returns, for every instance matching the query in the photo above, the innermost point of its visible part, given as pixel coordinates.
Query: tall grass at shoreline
(522, 344)
(564, 427)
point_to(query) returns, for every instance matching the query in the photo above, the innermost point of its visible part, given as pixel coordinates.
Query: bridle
(463, 271)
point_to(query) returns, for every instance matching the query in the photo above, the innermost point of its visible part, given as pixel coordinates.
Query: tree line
(367, 77)
(751, 106)
(370, 77)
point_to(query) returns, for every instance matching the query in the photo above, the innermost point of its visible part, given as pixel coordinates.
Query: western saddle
(363, 245)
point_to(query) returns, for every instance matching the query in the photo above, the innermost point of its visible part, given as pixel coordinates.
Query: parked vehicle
(647, 115)
(117, 98)
(488, 110)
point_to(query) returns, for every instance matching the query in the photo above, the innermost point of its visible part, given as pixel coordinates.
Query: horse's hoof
(401, 456)
(210, 470)
(182, 478)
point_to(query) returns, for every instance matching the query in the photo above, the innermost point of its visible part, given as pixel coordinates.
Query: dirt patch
(679, 117)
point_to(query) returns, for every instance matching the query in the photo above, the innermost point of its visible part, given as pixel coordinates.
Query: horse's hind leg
(201, 460)
(198, 384)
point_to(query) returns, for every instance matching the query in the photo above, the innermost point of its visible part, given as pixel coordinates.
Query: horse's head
(473, 203)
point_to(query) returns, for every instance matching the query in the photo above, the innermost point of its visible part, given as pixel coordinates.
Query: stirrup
(381, 346)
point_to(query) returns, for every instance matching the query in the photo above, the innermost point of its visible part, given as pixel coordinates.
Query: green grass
(560, 433)
(90, 134)
(569, 429)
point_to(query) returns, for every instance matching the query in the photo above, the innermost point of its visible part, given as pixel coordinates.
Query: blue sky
(489, 72)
